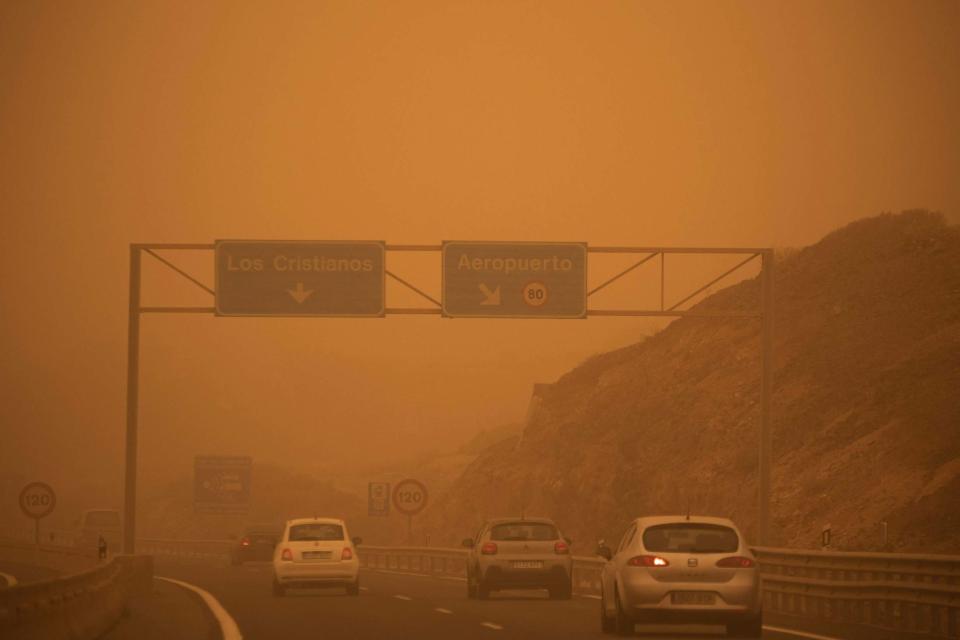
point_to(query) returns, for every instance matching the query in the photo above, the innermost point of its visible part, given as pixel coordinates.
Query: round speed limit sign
(37, 500)
(409, 496)
(535, 294)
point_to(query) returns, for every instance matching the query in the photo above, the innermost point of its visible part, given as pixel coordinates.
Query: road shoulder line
(228, 626)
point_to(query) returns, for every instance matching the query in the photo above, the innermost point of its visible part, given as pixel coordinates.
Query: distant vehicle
(256, 543)
(316, 552)
(677, 569)
(97, 523)
(519, 553)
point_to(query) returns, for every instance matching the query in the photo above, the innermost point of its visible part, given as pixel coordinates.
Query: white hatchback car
(688, 570)
(316, 552)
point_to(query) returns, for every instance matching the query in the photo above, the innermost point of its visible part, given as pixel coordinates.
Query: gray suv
(519, 553)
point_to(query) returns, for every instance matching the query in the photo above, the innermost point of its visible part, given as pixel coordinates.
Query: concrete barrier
(81, 606)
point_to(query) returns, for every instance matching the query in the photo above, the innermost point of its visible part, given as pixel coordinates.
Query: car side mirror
(605, 552)
(468, 543)
(357, 541)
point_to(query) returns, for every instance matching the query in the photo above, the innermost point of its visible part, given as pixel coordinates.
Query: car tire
(622, 622)
(471, 588)
(483, 590)
(353, 588)
(607, 624)
(561, 591)
(278, 589)
(752, 628)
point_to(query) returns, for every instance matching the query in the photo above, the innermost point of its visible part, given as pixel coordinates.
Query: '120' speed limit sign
(409, 496)
(37, 500)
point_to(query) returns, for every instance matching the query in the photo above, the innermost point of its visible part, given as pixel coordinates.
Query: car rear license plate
(692, 597)
(316, 555)
(527, 564)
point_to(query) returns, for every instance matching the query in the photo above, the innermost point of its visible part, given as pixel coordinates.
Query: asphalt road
(394, 605)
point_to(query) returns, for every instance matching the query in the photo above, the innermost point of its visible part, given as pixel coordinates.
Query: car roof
(497, 521)
(314, 521)
(649, 521)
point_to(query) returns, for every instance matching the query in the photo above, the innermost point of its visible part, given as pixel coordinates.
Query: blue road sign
(221, 484)
(378, 499)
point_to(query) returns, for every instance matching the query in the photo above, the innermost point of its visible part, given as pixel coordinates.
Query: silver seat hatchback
(681, 569)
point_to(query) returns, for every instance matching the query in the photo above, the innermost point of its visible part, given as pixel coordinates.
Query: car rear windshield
(691, 537)
(315, 531)
(523, 531)
(103, 519)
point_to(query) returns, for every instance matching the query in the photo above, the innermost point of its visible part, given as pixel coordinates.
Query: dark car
(256, 543)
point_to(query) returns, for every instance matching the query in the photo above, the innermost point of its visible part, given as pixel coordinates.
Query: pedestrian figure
(101, 548)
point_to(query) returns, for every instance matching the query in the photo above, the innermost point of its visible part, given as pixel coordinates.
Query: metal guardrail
(186, 549)
(901, 593)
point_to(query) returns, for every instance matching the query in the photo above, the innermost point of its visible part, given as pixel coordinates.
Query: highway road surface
(392, 605)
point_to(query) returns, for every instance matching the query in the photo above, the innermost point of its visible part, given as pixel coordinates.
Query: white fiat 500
(316, 552)
(689, 570)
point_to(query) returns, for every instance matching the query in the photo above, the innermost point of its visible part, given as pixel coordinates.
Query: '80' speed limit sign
(409, 496)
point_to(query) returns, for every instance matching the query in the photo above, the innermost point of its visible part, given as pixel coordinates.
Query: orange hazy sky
(644, 123)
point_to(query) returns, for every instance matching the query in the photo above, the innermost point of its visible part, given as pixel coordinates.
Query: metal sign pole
(133, 362)
(766, 389)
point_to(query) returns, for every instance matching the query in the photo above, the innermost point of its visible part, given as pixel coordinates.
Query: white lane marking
(442, 610)
(417, 575)
(364, 588)
(802, 634)
(399, 597)
(491, 625)
(10, 580)
(590, 595)
(228, 627)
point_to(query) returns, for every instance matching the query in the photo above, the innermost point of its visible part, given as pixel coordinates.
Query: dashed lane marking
(590, 595)
(228, 627)
(9, 579)
(399, 597)
(364, 588)
(800, 634)
(442, 610)
(491, 625)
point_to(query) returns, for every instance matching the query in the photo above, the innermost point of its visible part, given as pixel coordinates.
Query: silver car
(519, 553)
(682, 569)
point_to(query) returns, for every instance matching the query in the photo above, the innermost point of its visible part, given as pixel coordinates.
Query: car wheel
(752, 628)
(353, 588)
(561, 591)
(607, 624)
(278, 589)
(471, 588)
(483, 590)
(623, 623)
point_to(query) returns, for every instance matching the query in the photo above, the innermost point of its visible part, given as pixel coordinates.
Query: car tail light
(736, 562)
(287, 555)
(561, 547)
(648, 561)
(489, 548)
(346, 554)
(245, 542)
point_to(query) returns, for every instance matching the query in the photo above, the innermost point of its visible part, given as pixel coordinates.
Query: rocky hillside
(866, 411)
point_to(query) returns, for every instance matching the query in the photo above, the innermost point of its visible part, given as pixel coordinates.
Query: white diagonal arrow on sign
(492, 298)
(299, 294)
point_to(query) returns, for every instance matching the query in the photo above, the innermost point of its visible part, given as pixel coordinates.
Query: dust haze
(621, 123)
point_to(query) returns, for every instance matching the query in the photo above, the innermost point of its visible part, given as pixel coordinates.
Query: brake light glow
(736, 562)
(648, 561)
(561, 547)
(489, 548)
(346, 554)
(245, 542)
(287, 555)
